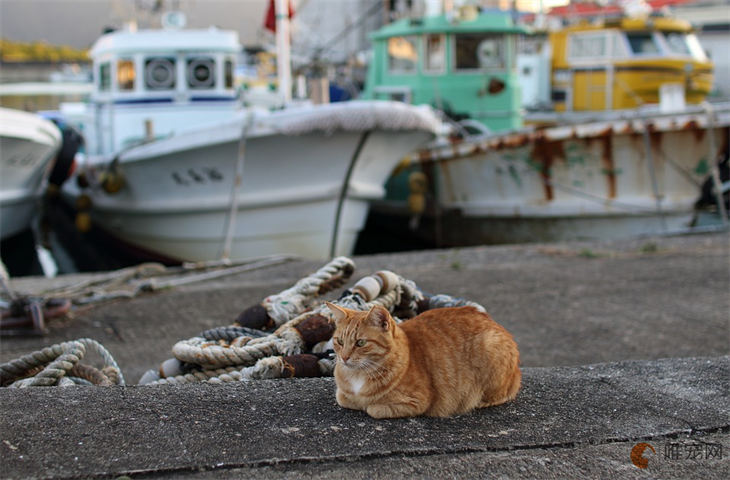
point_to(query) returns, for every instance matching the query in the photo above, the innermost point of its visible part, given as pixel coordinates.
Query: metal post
(283, 62)
(237, 181)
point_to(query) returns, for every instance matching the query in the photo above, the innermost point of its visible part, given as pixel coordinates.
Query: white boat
(177, 169)
(595, 180)
(28, 144)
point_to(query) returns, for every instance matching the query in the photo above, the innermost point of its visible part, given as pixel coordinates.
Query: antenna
(174, 20)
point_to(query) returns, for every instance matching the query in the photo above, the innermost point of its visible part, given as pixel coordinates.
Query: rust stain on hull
(694, 127)
(545, 153)
(609, 167)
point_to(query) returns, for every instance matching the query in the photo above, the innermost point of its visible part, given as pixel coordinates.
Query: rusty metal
(694, 120)
(544, 153)
(25, 317)
(608, 163)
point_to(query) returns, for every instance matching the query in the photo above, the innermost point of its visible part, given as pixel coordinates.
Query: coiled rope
(301, 346)
(283, 306)
(60, 365)
(278, 309)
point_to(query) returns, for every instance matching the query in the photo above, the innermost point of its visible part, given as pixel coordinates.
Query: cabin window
(228, 73)
(619, 46)
(642, 43)
(695, 47)
(201, 73)
(125, 74)
(402, 54)
(160, 73)
(685, 44)
(435, 61)
(676, 43)
(105, 77)
(587, 47)
(478, 51)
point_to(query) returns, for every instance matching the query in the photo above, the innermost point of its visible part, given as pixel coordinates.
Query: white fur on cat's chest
(356, 383)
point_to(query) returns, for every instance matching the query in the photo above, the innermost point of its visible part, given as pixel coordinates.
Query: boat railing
(645, 111)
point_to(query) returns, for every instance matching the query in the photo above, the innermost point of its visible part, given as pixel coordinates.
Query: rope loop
(301, 345)
(289, 303)
(60, 365)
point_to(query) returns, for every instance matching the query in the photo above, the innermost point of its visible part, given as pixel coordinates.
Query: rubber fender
(112, 181)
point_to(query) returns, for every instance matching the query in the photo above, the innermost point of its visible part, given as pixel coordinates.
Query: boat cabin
(464, 67)
(151, 83)
(626, 63)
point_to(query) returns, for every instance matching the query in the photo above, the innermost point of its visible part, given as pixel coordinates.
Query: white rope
(287, 304)
(212, 355)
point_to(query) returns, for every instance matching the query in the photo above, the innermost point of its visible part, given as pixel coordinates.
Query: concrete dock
(622, 343)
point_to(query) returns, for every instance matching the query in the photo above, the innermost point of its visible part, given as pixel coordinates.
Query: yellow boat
(625, 63)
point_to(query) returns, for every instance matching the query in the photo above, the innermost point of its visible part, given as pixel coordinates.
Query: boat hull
(612, 179)
(178, 194)
(28, 145)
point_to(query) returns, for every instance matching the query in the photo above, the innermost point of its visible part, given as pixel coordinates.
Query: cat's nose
(345, 358)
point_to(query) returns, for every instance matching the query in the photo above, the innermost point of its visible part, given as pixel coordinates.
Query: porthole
(159, 73)
(201, 73)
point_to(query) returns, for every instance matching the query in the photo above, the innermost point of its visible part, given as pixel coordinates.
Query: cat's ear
(378, 316)
(338, 313)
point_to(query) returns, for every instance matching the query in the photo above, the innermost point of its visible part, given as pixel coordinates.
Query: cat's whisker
(374, 370)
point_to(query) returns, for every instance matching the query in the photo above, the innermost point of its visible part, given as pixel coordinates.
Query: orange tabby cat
(443, 362)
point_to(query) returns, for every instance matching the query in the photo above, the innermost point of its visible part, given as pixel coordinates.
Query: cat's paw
(381, 411)
(389, 411)
(345, 402)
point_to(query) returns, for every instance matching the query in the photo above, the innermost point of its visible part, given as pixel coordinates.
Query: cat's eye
(339, 340)
(361, 342)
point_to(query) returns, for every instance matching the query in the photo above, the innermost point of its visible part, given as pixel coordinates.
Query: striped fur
(443, 362)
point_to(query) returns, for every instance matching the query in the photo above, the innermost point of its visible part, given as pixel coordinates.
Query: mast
(283, 56)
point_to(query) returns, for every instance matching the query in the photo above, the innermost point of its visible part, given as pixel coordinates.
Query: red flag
(270, 22)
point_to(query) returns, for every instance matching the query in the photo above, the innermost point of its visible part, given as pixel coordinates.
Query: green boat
(465, 68)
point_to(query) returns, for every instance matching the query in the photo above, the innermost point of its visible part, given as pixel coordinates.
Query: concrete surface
(570, 306)
(278, 428)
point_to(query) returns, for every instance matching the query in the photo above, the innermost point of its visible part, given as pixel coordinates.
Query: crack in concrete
(413, 453)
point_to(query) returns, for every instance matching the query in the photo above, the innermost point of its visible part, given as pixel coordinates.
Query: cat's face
(362, 339)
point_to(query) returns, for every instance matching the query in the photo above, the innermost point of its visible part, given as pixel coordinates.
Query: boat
(176, 168)
(625, 63)
(28, 145)
(588, 173)
(464, 67)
